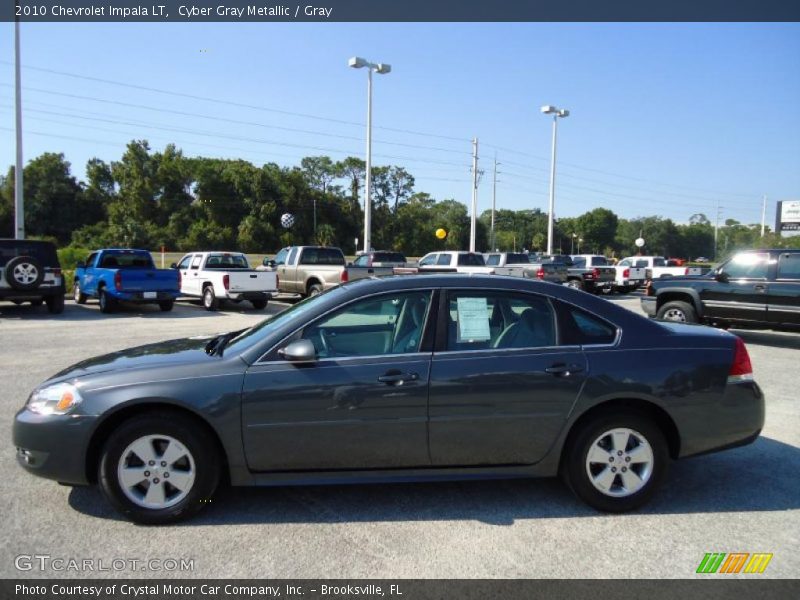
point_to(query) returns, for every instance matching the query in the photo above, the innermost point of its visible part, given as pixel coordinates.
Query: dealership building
(787, 218)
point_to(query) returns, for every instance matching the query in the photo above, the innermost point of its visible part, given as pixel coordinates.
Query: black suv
(30, 272)
(756, 288)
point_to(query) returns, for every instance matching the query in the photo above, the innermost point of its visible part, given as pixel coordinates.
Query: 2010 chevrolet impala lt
(424, 377)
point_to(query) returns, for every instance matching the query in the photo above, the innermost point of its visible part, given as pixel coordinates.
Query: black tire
(77, 294)
(677, 311)
(196, 440)
(107, 303)
(210, 301)
(24, 273)
(315, 289)
(576, 284)
(55, 304)
(166, 305)
(259, 304)
(576, 472)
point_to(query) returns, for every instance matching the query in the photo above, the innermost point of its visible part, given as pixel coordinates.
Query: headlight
(55, 399)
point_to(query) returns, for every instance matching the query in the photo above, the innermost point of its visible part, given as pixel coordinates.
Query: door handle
(760, 287)
(561, 369)
(397, 378)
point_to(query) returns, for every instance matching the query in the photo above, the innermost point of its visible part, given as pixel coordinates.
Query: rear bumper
(40, 292)
(139, 296)
(735, 420)
(649, 305)
(249, 295)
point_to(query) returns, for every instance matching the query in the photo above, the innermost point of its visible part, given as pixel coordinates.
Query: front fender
(680, 293)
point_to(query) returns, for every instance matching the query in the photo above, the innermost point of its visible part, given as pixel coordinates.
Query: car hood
(171, 352)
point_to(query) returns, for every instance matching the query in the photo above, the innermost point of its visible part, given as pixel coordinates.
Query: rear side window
(789, 266)
(579, 328)
(44, 252)
(470, 260)
(322, 256)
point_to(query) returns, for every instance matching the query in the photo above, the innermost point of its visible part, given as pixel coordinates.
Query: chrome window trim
(418, 355)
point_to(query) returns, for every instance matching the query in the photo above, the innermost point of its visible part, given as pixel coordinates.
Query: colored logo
(735, 562)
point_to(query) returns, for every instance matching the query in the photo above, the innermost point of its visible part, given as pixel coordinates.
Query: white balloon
(287, 220)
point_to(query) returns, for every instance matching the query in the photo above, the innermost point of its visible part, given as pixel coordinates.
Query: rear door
(784, 292)
(363, 404)
(502, 384)
(744, 295)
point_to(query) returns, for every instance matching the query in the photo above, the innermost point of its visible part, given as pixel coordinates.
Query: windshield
(294, 314)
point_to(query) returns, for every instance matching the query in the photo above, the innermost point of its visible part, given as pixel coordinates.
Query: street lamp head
(563, 113)
(357, 62)
(383, 69)
(547, 109)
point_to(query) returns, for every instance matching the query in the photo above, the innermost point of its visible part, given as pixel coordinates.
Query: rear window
(515, 258)
(470, 260)
(322, 256)
(226, 261)
(44, 252)
(127, 260)
(394, 257)
(579, 261)
(493, 260)
(599, 261)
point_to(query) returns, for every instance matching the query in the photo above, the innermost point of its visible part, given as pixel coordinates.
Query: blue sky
(666, 119)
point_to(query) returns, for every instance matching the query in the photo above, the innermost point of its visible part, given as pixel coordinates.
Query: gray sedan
(403, 378)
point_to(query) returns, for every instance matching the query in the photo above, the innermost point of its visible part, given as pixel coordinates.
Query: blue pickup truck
(126, 275)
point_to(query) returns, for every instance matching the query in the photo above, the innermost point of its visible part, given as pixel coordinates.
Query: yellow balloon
(441, 233)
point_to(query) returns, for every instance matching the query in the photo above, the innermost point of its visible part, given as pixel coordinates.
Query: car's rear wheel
(678, 312)
(315, 289)
(55, 304)
(259, 304)
(575, 284)
(107, 303)
(159, 468)
(77, 294)
(166, 305)
(616, 462)
(209, 298)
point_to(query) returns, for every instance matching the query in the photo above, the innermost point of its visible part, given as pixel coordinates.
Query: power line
(232, 103)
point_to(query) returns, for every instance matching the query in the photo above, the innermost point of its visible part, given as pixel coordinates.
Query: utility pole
(19, 206)
(716, 229)
(494, 202)
(474, 219)
(763, 215)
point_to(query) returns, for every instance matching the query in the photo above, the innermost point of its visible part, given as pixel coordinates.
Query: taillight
(344, 277)
(626, 273)
(118, 280)
(56, 272)
(741, 369)
(540, 273)
(686, 271)
(596, 273)
(226, 281)
(277, 281)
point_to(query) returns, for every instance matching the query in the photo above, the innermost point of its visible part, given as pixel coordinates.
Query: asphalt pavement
(741, 500)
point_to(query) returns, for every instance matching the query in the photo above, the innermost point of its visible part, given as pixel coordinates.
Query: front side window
(789, 266)
(480, 320)
(625, 263)
(90, 260)
(280, 257)
(184, 264)
(361, 261)
(430, 259)
(749, 265)
(389, 324)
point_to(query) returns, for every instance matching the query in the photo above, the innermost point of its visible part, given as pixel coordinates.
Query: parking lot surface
(742, 500)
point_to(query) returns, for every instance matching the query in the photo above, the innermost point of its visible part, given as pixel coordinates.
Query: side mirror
(173, 266)
(266, 261)
(350, 264)
(80, 265)
(721, 276)
(299, 351)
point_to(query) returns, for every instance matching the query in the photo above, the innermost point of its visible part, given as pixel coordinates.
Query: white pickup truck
(219, 276)
(631, 274)
(658, 266)
(452, 261)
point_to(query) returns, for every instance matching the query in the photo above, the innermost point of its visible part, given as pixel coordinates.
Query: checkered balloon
(287, 220)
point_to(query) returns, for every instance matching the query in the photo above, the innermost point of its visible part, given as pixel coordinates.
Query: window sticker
(473, 322)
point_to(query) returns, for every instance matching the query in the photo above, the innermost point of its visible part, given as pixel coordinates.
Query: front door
(501, 385)
(363, 404)
(784, 293)
(743, 296)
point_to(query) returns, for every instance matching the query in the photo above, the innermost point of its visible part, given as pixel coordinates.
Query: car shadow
(732, 481)
(774, 339)
(90, 311)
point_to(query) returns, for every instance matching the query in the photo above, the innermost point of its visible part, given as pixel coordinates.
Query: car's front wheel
(677, 311)
(159, 468)
(77, 294)
(55, 304)
(616, 462)
(210, 301)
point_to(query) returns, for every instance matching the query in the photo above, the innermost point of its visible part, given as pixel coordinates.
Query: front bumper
(53, 446)
(649, 305)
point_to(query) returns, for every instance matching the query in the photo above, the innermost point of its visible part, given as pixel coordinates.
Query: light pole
(574, 235)
(556, 112)
(19, 202)
(383, 69)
